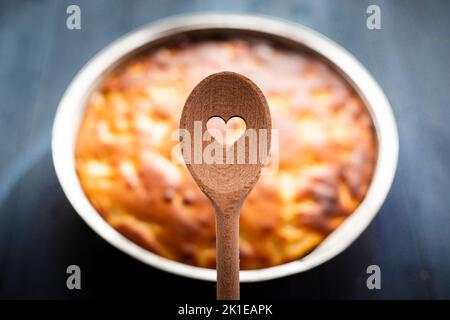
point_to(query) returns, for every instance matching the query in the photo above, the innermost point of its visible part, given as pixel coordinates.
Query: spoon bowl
(225, 95)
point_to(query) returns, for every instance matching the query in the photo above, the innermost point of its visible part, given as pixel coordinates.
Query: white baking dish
(71, 109)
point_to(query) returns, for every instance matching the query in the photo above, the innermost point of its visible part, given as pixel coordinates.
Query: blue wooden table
(40, 233)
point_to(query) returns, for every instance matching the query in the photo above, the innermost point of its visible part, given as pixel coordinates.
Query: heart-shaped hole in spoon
(226, 133)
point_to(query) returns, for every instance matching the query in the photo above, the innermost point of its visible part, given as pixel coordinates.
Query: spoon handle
(227, 243)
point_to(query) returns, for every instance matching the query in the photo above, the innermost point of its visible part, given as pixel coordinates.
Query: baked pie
(327, 152)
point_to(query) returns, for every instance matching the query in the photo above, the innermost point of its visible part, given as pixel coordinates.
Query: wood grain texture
(226, 183)
(40, 233)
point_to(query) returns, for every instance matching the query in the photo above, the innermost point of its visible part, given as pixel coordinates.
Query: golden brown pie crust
(327, 153)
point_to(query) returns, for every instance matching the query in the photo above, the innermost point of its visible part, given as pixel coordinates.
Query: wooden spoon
(227, 181)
